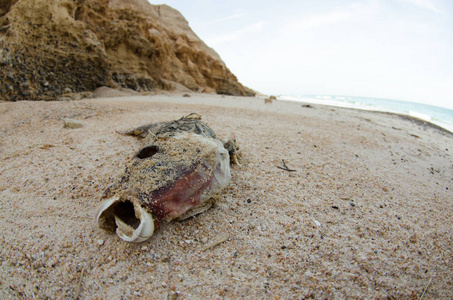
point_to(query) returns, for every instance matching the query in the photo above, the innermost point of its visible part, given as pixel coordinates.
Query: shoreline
(366, 214)
(420, 121)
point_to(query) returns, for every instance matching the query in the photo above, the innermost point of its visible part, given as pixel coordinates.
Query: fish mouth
(130, 221)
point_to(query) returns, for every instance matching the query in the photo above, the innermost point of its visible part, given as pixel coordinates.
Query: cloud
(425, 4)
(235, 35)
(319, 21)
(231, 17)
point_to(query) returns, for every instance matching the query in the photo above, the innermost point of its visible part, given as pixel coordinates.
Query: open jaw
(129, 219)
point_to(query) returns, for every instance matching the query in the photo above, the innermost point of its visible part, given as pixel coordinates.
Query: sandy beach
(366, 213)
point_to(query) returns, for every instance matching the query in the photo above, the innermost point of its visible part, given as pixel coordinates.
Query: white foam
(420, 115)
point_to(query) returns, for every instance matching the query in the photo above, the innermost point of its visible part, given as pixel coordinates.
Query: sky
(394, 49)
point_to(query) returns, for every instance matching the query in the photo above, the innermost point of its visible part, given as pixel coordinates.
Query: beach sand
(367, 213)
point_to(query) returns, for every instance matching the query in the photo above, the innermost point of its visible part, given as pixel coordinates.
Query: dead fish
(182, 166)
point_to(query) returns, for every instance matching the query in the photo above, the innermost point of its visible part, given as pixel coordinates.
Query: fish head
(168, 177)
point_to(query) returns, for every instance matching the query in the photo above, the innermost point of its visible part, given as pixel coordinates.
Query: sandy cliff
(53, 47)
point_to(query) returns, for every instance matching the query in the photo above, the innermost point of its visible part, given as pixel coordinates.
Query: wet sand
(367, 213)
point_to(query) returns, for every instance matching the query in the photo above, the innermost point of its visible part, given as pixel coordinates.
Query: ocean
(440, 116)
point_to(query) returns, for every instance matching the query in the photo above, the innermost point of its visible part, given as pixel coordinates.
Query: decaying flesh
(176, 174)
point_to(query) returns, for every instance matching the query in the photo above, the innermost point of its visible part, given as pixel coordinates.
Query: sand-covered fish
(182, 166)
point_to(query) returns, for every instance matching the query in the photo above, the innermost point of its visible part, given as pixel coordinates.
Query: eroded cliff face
(53, 47)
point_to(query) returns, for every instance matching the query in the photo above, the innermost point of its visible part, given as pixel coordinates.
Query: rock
(82, 45)
(71, 123)
(208, 90)
(76, 96)
(269, 100)
(87, 95)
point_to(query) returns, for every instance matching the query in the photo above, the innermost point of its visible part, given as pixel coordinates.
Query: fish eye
(147, 152)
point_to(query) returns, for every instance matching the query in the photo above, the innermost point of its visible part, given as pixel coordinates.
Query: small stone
(173, 295)
(144, 248)
(70, 123)
(186, 95)
(100, 242)
(67, 91)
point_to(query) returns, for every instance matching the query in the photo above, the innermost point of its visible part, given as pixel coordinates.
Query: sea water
(440, 116)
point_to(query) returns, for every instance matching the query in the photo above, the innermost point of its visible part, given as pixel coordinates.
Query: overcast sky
(395, 49)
